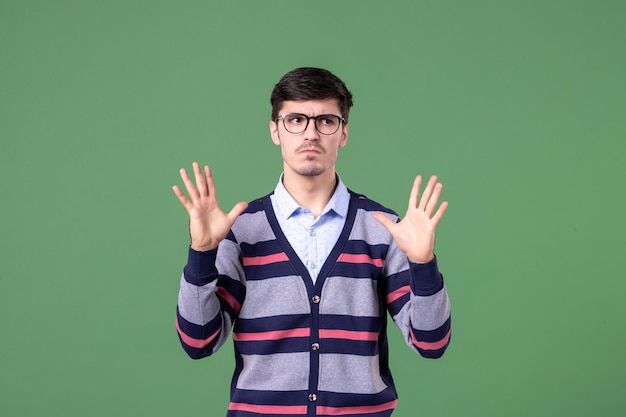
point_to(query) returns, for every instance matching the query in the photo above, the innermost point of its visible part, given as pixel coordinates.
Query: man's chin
(310, 171)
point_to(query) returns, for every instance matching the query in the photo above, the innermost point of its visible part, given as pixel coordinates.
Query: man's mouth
(310, 150)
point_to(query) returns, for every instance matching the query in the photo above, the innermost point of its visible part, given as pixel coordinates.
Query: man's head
(309, 83)
(310, 108)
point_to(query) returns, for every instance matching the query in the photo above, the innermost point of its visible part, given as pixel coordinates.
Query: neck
(312, 193)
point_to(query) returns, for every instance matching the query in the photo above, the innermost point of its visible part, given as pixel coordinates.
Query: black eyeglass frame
(308, 119)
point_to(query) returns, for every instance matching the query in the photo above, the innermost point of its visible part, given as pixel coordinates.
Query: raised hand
(208, 224)
(415, 233)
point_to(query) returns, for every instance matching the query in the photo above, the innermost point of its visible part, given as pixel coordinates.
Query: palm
(208, 224)
(415, 233)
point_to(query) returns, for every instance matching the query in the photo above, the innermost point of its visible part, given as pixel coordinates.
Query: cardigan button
(315, 346)
(316, 299)
(312, 397)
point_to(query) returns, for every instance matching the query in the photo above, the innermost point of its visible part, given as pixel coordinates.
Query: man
(305, 276)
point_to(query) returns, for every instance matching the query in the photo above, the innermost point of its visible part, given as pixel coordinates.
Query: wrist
(421, 258)
(202, 248)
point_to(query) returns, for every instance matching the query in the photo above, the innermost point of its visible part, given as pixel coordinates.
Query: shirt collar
(287, 206)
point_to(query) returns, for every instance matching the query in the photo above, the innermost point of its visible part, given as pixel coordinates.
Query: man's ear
(344, 136)
(274, 132)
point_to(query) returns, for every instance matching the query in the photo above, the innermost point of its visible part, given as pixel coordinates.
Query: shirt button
(313, 265)
(312, 397)
(315, 346)
(316, 299)
(312, 233)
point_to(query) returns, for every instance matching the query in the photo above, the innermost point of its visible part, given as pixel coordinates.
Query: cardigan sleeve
(209, 299)
(418, 303)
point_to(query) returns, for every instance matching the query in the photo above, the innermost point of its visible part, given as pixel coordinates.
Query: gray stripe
(350, 296)
(370, 230)
(252, 228)
(275, 296)
(350, 374)
(430, 313)
(228, 260)
(396, 260)
(199, 305)
(190, 307)
(277, 372)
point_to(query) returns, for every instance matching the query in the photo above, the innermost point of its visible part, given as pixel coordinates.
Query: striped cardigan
(303, 349)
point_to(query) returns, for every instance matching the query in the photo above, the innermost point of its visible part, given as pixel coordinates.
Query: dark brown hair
(309, 83)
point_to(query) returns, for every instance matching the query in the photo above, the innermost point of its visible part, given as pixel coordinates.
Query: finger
(384, 220)
(181, 196)
(428, 191)
(191, 189)
(237, 210)
(415, 192)
(209, 180)
(434, 198)
(439, 214)
(200, 183)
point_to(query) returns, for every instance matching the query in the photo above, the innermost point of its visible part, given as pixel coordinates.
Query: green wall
(519, 107)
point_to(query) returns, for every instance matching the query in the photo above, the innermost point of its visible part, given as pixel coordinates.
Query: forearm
(201, 324)
(429, 310)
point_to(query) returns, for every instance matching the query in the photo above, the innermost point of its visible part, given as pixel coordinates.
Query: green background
(519, 107)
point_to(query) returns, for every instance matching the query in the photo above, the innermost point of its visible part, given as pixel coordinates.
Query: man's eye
(295, 119)
(328, 120)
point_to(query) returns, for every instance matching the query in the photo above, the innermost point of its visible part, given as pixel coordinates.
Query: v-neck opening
(295, 260)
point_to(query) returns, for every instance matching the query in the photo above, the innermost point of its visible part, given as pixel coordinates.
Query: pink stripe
(273, 335)
(348, 334)
(430, 345)
(359, 259)
(364, 409)
(265, 260)
(391, 297)
(195, 343)
(269, 409)
(228, 297)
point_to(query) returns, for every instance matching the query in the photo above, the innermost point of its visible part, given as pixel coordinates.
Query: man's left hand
(415, 233)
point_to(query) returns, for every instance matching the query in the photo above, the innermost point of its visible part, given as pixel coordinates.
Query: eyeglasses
(326, 124)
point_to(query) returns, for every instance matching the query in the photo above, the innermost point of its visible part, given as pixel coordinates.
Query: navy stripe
(270, 397)
(396, 281)
(432, 336)
(268, 347)
(255, 206)
(354, 323)
(371, 205)
(236, 289)
(349, 347)
(335, 399)
(358, 247)
(357, 270)
(197, 331)
(261, 248)
(273, 270)
(397, 305)
(230, 236)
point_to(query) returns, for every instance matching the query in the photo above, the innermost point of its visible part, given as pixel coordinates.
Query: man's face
(309, 153)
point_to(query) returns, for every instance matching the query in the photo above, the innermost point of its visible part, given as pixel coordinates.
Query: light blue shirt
(311, 238)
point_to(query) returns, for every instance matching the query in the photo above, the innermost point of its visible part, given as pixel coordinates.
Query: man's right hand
(208, 224)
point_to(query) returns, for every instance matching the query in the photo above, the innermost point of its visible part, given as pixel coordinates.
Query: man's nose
(311, 133)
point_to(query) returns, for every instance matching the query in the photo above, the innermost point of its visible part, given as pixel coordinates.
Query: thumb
(384, 220)
(237, 210)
